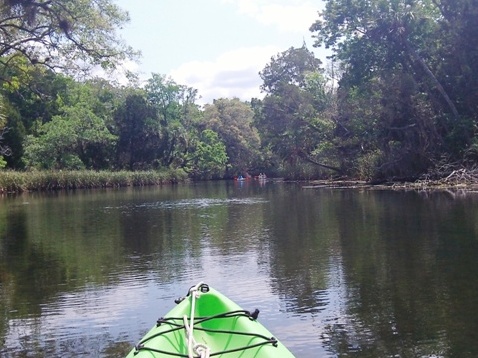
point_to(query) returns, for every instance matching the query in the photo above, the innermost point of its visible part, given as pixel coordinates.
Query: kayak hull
(219, 324)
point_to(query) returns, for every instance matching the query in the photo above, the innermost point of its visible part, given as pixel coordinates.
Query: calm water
(335, 273)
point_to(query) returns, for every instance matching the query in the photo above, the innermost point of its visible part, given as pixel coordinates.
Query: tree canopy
(233, 121)
(69, 35)
(403, 87)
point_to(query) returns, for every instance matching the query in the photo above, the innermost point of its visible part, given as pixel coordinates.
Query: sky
(216, 46)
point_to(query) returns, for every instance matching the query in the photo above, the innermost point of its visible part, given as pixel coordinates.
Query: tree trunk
(310, 160)
(434, 80)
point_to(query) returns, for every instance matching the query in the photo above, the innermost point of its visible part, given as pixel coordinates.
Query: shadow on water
(334, 272)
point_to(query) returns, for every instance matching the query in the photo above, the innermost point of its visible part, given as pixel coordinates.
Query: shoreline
(419, 185)
(12, 182)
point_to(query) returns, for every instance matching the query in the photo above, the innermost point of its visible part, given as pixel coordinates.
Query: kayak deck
(205, 324)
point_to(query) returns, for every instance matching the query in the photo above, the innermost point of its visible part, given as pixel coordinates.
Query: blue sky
(216, 46)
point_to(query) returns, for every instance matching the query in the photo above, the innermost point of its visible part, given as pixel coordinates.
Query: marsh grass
(12, 181)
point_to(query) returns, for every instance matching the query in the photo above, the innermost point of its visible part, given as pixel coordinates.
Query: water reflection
(335, 273)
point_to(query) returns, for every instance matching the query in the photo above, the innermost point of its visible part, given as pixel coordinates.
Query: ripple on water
(85, 320)
(182, 204)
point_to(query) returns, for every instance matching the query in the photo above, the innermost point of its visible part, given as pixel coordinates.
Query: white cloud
(290, 16)
(232, 74)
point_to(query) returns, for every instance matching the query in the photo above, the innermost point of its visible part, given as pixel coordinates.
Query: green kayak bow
(208, 324)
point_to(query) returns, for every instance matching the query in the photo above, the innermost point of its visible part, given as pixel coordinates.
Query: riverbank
(418, 185)
(16, 182)
(460, 179)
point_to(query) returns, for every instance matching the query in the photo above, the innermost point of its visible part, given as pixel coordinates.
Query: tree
(35, 95)
(290, 66)
(76, 139)
(457, 69)
(458, 57)
(292, 123)
(232, 120)
(73, 36)
(4, 149)
(209, 159)
(177, 114)
(394, 51)
(139, 132)
(31, 94)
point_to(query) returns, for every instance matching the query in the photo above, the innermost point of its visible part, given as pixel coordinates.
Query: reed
(13, 181)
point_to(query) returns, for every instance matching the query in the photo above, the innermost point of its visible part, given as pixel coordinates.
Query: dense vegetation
(399, 98)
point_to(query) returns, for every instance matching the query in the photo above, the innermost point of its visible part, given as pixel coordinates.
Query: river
(335, 273)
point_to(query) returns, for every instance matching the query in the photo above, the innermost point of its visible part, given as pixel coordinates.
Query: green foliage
(74, 140)
(292, 120)
(401, 99)
(31, 95)
(366, 164)
(177, 115)
(210, 157)
(157, 126)
(292, 67)
(232, 120)
(4, 150)
(139, 133)
(70, 35)
(301, 171)
(316, 85)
